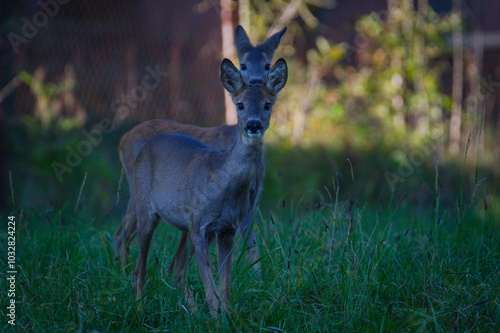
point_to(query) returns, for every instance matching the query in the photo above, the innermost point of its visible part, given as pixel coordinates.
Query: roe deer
(203, 191)
(255, 62)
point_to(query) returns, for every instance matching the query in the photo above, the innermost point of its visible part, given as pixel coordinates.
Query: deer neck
(245, 156)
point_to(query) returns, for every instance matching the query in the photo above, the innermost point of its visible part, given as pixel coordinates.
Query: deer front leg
(246, 225)
(225, 248)
(145, 229)
(201, 248)
(180, 255)
(247, 232)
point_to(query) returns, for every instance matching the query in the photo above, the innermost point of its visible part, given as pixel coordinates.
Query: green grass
(335, 268)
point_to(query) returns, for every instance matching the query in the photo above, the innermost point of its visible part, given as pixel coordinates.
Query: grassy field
(336, 268)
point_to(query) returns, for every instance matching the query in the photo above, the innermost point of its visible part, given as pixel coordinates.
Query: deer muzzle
(254, 128)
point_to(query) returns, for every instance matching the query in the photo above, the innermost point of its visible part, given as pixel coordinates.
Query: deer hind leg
(201, 242)
(145, 229)
(179, 262)
(125, 233)
(224, 249)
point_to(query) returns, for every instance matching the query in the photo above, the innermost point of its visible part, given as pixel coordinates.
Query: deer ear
(271, 44)
(242, 42)
(277, 76)
(230, 76)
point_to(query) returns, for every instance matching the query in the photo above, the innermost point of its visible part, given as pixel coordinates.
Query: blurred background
(387, 101)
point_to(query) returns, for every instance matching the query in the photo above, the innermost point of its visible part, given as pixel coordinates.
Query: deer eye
(243, 67)
(240, 106)
(267, 67)
(267, 106)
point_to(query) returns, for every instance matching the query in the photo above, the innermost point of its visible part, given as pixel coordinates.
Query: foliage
(397, 87)
(50, 135)
(47, 116)
(266, 16)
(393, 96)
(45, 125)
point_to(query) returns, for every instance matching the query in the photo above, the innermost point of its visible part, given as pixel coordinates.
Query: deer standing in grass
(254, 64)
(203, 191)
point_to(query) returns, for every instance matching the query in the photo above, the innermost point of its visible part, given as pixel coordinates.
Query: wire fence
(159, 59)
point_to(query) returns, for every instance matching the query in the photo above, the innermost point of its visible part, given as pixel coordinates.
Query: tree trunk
(227, 33)
(481, 96)
(422, 112)
(457, 85)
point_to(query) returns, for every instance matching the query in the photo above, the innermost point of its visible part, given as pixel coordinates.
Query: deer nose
(254, 127)
(256, 80)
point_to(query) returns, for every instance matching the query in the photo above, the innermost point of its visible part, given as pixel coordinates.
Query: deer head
(255, 61)
(254, 102)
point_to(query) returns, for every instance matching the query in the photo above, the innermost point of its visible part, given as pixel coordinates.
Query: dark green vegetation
(339, 267)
